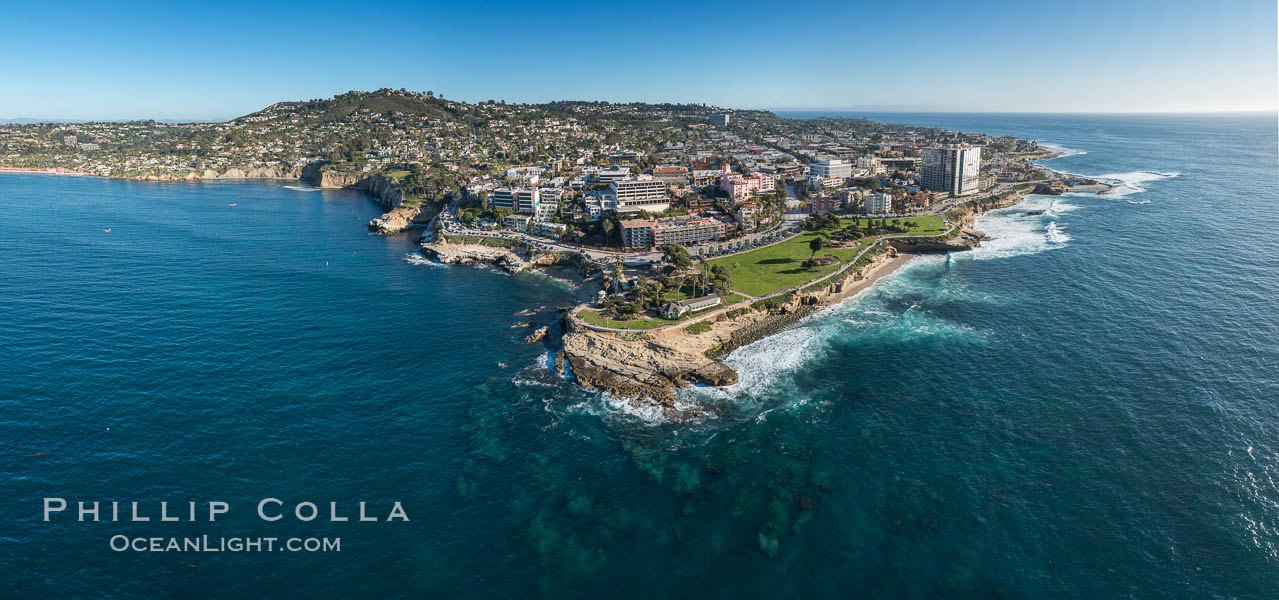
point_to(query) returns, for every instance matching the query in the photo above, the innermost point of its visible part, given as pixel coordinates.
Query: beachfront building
(686, 230)
(520, 200)
(547, 228)
(879, 202)
(516, 222)
(640, 193)
(953, 169)
(675, 310)
(637, 233)
(548, 203)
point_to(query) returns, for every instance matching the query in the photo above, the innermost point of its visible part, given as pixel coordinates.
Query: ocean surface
(1086, 406)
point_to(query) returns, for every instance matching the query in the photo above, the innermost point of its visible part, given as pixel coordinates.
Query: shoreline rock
(513, 260)
(402, 219)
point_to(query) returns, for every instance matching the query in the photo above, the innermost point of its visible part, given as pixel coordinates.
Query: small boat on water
(107, 230)
(234, 204)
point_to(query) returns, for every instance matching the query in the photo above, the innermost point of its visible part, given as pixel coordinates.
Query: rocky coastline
(647, 369)
(513, 259)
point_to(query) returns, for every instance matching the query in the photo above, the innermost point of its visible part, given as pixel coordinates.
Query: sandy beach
(878, 271)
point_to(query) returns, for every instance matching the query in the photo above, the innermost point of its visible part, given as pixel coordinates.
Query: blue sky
(197, 61)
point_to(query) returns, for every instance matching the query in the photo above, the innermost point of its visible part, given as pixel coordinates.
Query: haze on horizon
(218, 61)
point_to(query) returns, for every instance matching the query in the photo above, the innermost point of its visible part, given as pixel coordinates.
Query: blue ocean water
(1084, 407)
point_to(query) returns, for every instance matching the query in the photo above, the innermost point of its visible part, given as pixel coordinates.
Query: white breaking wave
(1058, 206)
(1013, 232)
(417, 259)
(1054, 234)
(301, 188)
(762, 362)
(766, 365)
(1133, 182)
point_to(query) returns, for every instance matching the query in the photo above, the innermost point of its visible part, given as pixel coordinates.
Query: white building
(879, 202)
(675, 310)
(525, 173)
(819, 182)
(831, 168)
(954, 169)
(640, 193)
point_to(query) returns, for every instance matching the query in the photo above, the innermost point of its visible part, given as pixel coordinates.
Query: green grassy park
(773, 268)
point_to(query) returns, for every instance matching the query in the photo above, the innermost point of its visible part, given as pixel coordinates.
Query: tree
(816, 244)
(677, 255)
(607, 226)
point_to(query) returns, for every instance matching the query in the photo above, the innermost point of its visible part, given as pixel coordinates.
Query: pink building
(740, 187)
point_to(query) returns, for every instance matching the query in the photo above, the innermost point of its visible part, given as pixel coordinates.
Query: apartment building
(687, 230)
(520, 200)
(640, 193)
(879, 202)
(954, 169)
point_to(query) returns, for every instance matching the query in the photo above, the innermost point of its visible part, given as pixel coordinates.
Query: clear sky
(193, 60)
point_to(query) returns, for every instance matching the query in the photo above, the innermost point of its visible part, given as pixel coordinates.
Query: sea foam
(1133, 182)
(1013, 232)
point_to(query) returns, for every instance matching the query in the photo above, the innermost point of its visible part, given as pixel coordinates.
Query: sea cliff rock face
(380, 187)
(274, 172)
(1055, 188)
(403, 218)
(648, 372)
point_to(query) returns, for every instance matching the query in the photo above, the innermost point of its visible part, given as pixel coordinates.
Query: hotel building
(688, 230)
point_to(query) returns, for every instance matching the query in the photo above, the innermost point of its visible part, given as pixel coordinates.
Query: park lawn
(926, 224)
(687, 293)
(645, 322)
(397, 175)
(638, 323)
(774, 268)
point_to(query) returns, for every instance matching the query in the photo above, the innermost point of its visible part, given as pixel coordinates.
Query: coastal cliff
(513, 258)
(647, 369)
(403, 218)
(232, 173)
(379, 186)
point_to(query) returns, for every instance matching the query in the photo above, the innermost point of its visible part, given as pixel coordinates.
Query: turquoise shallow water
(1085, 407)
